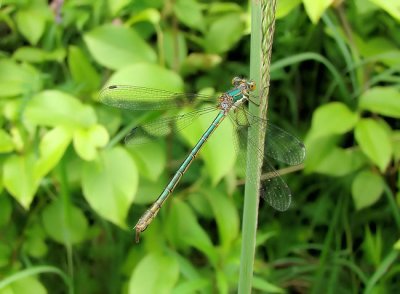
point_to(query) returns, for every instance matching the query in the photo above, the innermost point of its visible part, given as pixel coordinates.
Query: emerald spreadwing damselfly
(279, 144)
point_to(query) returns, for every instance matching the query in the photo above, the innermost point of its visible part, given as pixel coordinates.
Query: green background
(70, 191)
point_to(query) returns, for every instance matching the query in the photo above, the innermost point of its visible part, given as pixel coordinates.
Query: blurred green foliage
(70, 191)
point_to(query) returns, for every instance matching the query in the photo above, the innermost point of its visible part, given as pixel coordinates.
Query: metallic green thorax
(236, 94)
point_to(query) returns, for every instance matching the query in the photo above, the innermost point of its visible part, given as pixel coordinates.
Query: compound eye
(252, 86)
(236, 81)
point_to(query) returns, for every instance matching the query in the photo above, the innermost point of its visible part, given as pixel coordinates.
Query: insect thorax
(225, 102)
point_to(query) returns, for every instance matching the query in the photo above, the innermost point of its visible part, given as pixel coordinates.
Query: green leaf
(226, 216)
(110, 183)
(284, 7)
(366, 189)
(150, 15)
(265, 286)
(18, 79)
(5, 210)
(28, 284)
(147, 75)
(19, 178)
(183, 230)
(397, 245)
(224, 33)
(5, 255)
(175, 48)
(315, 9)
(150, 159)
(64, 222)
(339, 162)
(116, 47)
(189, 13)
(52, 148)
(32, 23)
(54, 108)
(155, 273)
(6, 143)
(218, 152)
(332, 118)
(390, 6)
(382, 100)
(35, 244)
(378, 49)
(82, 71)
(115, 6)
(88, 140)
(37, 55)
(396, 145)
(374, 142)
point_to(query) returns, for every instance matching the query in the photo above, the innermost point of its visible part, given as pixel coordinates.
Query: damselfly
(279, 144)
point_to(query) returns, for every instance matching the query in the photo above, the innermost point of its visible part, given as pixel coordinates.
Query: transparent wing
(142, 98)
(279, 144)
(164, 126)
(273, 188)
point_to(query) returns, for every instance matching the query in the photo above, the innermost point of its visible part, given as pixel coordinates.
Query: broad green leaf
(115, 6)
(35, 244)
(396, 145)
(175, 48)
(110, 183)
(397, 245)
(382, 100)
(374, 142)
(147, 75)
(339, 162)
(150, 159)
(52, 148)
(5, 255)
(221, 282)
(82, 71)
(148, 191)
(372, 246)
(28, 284)
(37, 55)
(116, 46)
(150, 15)
(54, 108)
(64, 222)
(265, 286)
(19, 178)
(366, 189)
(317, 150)
(224, 33)
(189, 13)
(284, 7)
(218, 152)
(200, 61)
(390, 6)
(155, 273)
(5, 210)
(88, 140)
(183, 230)
(226, 216)
(316, 8)
(378, 49)
(192, 286)
(16, 79)
(32, 23)
(332, 118)
(6, 143)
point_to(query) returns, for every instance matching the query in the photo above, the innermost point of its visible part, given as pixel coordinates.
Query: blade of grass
(262, 27)
(33, 271)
